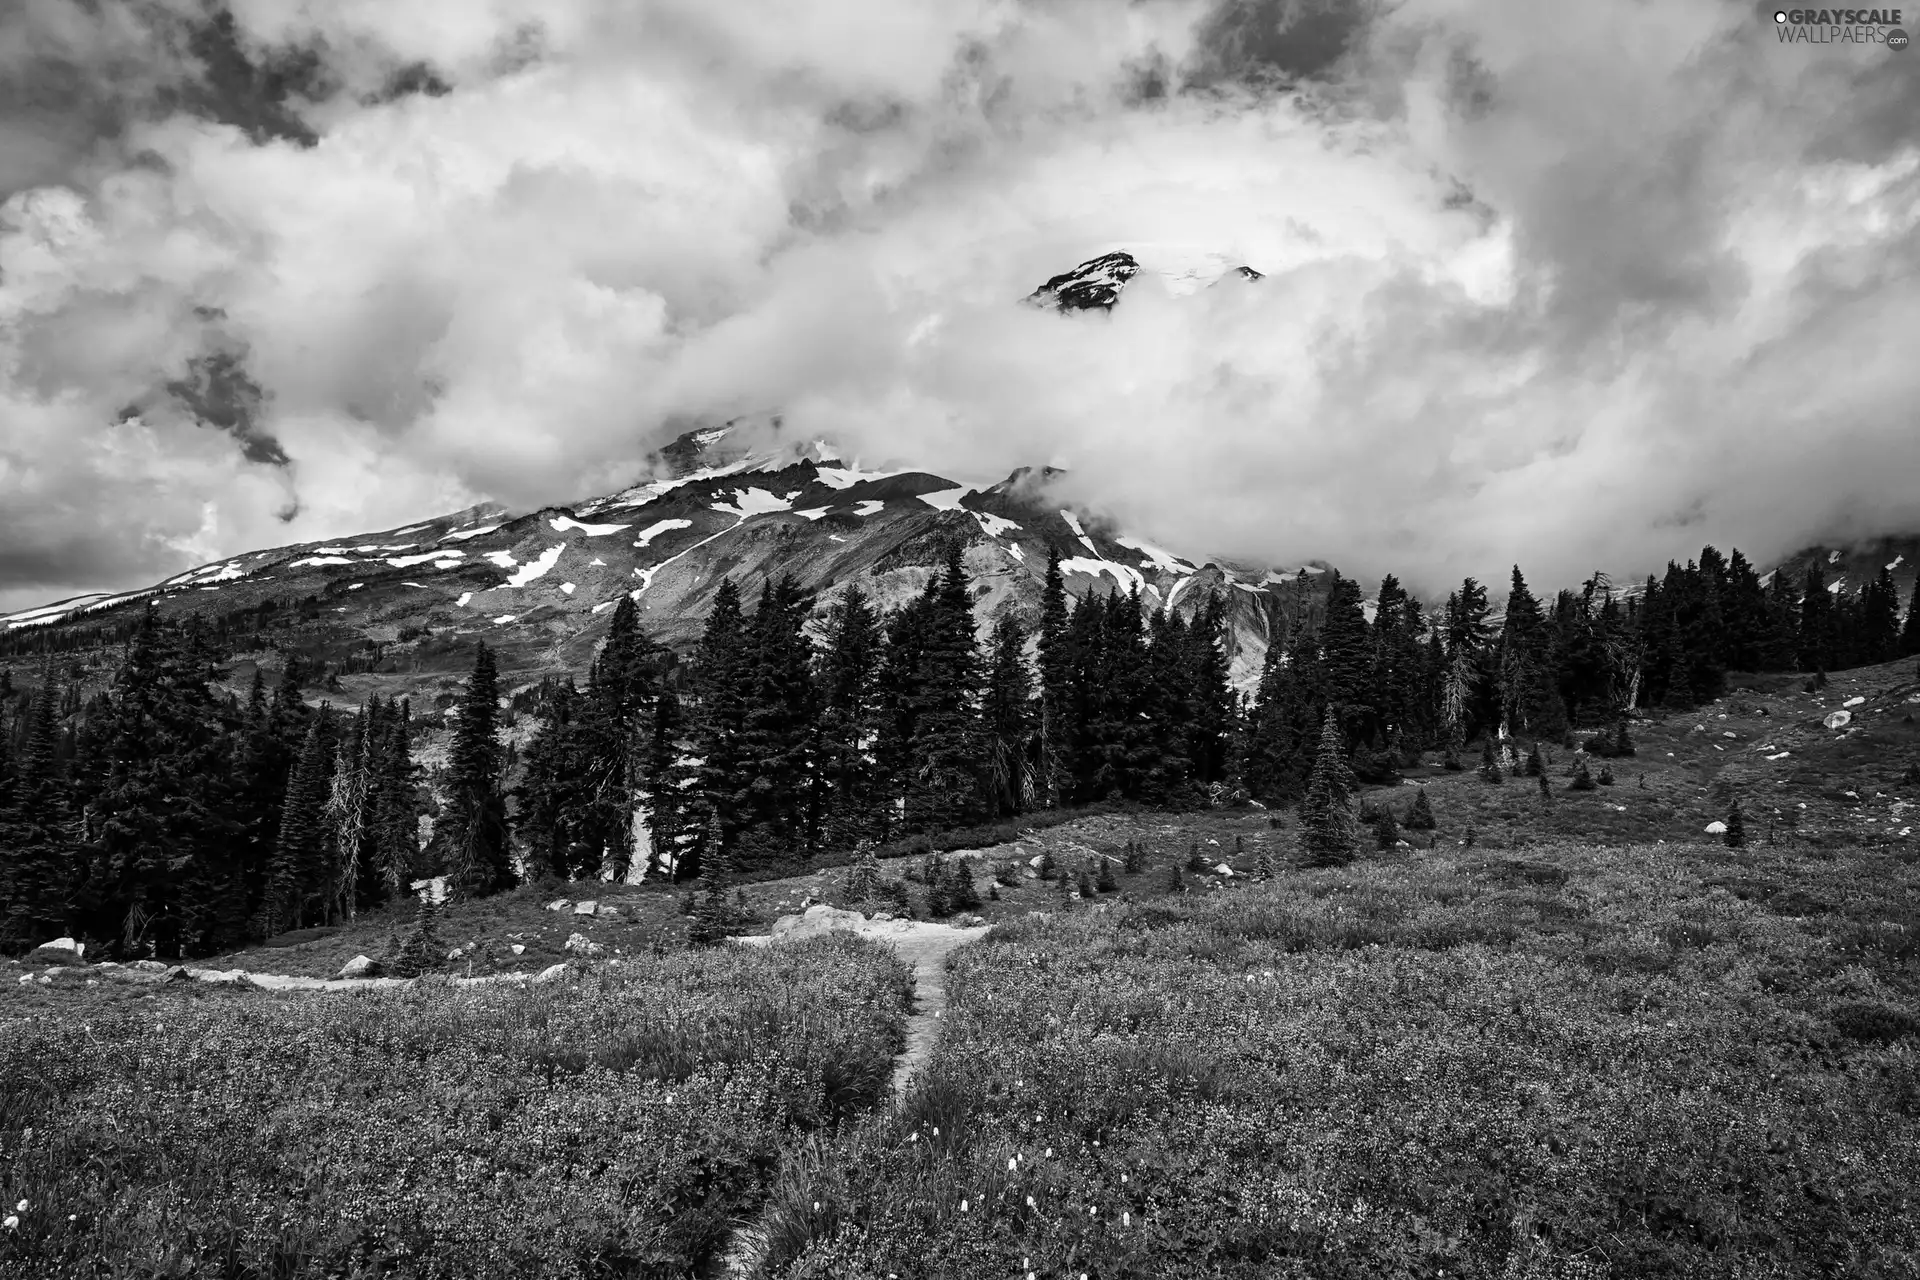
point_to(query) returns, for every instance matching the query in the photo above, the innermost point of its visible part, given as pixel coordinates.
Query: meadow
(1651, 1061)
(609, 1126)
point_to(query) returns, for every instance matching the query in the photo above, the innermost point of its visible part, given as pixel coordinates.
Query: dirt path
(926, 947)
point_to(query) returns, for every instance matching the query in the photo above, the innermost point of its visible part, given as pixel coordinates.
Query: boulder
(177, 973)
(150, 966)
(26, 979)
(1838, 719)
(1716, 828)
(552, 973)
(59, 951)
(518, 949)
(880, 917)
(1222, 869)
(581, 945)
(816, 920)
(559, 904)
(585, 908)
(607, 911)
(360, 967)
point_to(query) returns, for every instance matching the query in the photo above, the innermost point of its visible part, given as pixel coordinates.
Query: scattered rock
(817, 919)
(519, 950)
(60, 950)
(1838, 719)
(1716, 828)
(1853, 702)
(177, 973)
(582, 945)
(584, 908)
(360, 967)
(1222, 869)
(607, 911)
(551, 973)
(26, 979)
(559, 904)
(879, 916)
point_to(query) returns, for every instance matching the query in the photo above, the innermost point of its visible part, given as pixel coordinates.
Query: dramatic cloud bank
(1575, 284)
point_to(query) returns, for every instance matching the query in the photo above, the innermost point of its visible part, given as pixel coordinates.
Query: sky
(1574, 285)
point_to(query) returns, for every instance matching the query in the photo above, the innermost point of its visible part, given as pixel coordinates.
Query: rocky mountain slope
(539, 586)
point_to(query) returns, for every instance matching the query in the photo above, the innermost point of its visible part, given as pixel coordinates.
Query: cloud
(1574, 285)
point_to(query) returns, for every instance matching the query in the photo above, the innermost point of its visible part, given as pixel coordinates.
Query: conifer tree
(1536, 767)
(1420, 816)
(1176, 883)
(1489, 765)
(1546, 789)
(296, 878)
(1582, 778)
(473, 824)
(849, 702)
(1004, 713)
(1736, 834)
(1326, 815)
(37, 854)
(1136, 860)
(1108, 882)
(945, 749)
(346, 813)
(1606, 774)
(1056, 686)
(774, 784)
(722, 673)
(1196, 860)
(1387, 830)
(1085, 882)
(1910, 630)
(1263, 866)
(548, 798)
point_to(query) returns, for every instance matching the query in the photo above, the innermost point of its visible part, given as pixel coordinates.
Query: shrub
(1582, 778)
(1387, 830)
(1108, 883)
(1047, 870)
(1873, 1023)
(1489, 765)
(1196, 861)
(1606, 774)
(1420, 816)
(1736, 833)
(1536, 767)
(1136, 857)
(1176, 883)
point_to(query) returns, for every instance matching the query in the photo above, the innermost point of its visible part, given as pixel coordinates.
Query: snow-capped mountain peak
(1098, 282)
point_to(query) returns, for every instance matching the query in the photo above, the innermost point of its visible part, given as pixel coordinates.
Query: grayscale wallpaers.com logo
(1840, 26)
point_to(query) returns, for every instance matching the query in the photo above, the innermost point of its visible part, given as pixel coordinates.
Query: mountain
(1097, 283)
(538, 586)
(1852, 566)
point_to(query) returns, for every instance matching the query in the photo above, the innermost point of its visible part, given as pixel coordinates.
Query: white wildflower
(9, 1222)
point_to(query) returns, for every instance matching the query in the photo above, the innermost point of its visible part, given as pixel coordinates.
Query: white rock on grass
(360, 967)
(582, 945)
(1838, 719)
(1716, 828)
(559, 904)
(817, 919)
(1222, 869)
(1853, 702)
(551, 973)
(584, 908)
(59, 949)
(607, 911)
(518, 949)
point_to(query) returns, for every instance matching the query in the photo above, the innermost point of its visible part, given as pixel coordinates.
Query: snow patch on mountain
(567, 588)
(1161, 559)
(537, 567)
(813, 513)
(752, 502)
(1073, 523)
(870, 507)
(995, 526)
(1128, 577)
(450, 556)
(314, 560)
(847, 477)
(659, 527)
(944, 500)
(561, 524)
(461, 535)
(504, 559)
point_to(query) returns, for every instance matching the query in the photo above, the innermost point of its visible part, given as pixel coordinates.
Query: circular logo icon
(1896, 39)
(1779, 15)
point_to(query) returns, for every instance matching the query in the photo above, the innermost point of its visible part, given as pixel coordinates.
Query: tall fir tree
(298, 875)
(1328, 831)
(1005, 716)
(944, 780)
(848, 696)
(774, 741)
(473, 828)
(36, 834)
(1056, 691)
(723, 685)
(1910, 630)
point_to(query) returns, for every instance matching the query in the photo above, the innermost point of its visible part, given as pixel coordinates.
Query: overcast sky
(1579, 284)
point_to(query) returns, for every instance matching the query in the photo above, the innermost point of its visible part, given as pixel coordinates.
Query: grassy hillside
(1593, 1042)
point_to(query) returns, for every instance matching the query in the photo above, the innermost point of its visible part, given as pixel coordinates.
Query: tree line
(160, 817)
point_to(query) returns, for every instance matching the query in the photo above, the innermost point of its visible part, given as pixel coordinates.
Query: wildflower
(1126, 1219)
(1012, 1163)
(21, 1207)
(936, 1128)
(1049, 1153)
(963, 1206)
(816, 1206)
(1029, 1202)
(914, 1136)
(9, 1222)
